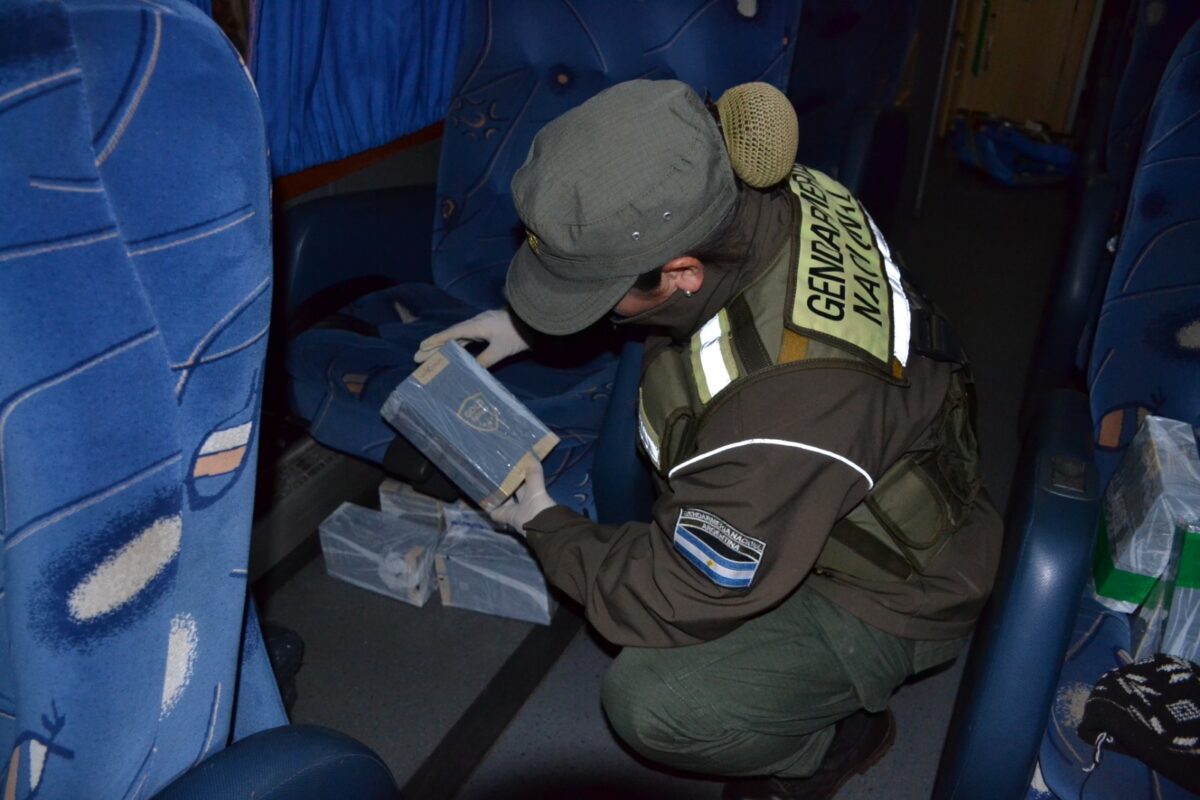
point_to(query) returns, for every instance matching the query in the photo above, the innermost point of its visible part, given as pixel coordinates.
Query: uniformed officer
(820, 533)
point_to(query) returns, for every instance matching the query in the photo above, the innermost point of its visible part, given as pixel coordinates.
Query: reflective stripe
(647, 434)
(715, 357)
(901, 313)
(779, 443)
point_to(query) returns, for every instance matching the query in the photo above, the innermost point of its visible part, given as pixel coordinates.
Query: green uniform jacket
(638, 586)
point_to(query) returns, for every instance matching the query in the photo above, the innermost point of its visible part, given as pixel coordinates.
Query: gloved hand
(527, 502)
(494, 327)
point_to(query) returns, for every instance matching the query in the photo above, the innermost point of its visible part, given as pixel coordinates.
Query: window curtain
(336, 78)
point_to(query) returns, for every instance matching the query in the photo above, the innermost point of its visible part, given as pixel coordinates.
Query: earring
(686, 293)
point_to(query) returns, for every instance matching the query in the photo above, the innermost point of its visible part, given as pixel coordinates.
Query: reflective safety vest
(832, 298)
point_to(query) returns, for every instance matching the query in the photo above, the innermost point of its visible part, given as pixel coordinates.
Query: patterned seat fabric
(135, 278)
(1145, 360)
(522, 64)
(1157, 31)
(1146, 354)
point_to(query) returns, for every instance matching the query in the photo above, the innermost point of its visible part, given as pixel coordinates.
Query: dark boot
(285, 649)
(861, 740)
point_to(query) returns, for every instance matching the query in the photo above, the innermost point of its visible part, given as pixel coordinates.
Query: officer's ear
(685, 273)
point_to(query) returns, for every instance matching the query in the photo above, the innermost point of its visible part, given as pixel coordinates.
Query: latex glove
(527, 502)
(494, 327)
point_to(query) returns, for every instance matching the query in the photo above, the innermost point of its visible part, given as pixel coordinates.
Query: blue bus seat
(1144, 360)
(135, 289)
(1103, 189)
(847, 69)
(523, 64)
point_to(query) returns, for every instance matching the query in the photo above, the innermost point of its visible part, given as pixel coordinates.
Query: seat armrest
(295, 762)
(1013, 667)
(335, 249)
(1086, 265)
(623, 486)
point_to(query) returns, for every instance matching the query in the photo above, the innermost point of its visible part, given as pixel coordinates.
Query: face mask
(760, 130)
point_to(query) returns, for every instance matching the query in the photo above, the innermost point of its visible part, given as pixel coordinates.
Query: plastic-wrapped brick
(381, 552)
(481, 569)
(467, 423)
(401, 500)
(1154, 493)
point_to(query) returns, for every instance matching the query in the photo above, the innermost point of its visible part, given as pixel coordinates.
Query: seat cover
(135, 279)
(1146, 354)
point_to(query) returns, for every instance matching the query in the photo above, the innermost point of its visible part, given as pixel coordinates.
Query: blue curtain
(336, 78)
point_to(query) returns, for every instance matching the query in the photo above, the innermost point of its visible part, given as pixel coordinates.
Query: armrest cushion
(1086, 266)
(295, 762)
(1004, 700)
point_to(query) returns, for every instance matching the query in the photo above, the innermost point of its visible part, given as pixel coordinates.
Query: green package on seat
(1153, 495)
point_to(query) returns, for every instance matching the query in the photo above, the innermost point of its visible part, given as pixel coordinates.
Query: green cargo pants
(763, 699)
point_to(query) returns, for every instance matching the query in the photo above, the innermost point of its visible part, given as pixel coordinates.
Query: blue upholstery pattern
(1146, 355)
(523, 63)
(135, 275)
(1115, 139)
(1157, 31)
(337, 78)
(1144, 360)
(849, 59)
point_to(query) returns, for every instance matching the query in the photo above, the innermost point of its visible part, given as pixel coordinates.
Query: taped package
(399, 499)
(469, 425)
(1168, 620)
(1152, 498)
(482, 569)
(384, 553)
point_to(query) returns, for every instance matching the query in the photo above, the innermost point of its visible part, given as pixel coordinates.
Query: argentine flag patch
(721, 552)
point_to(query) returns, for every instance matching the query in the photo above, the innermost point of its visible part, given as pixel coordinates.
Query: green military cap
(614, 188)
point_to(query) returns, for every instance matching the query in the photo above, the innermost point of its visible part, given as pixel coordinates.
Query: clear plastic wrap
(1168, 621)
(401, 500)
(468, 424)
(481, 569)
(1154, 494)
(381, 552)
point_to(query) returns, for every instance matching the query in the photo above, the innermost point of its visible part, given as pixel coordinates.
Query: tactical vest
(832, 298)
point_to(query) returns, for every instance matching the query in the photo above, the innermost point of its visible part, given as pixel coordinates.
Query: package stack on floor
(482, 569)
(393, 551)
(385, 553)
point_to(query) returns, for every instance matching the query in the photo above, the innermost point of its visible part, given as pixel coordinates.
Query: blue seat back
(847, 68)
(1146, 355)
(510, 83)
(1157, 30)
(135, 284)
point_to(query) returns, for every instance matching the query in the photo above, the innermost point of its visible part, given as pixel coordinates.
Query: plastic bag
(1154, 494)
(401, 500)
(481, 569)
(381, 552)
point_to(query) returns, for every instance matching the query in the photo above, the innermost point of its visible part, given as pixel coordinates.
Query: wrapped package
(482, 569)
(401, 500)
(381, 552)
(1168, 620)
(467, 423)
(1151, 498)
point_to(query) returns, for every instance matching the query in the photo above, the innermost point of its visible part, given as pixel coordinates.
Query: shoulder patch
(719, 551)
